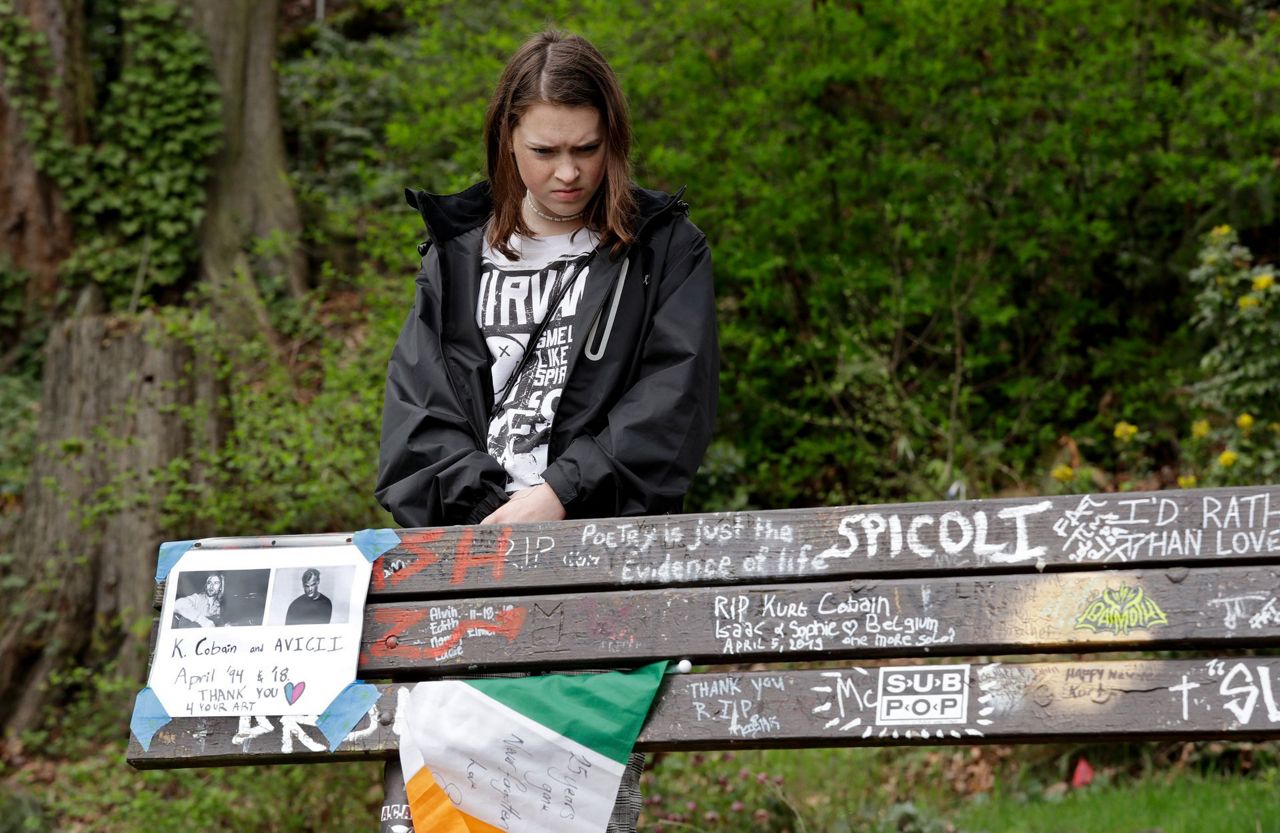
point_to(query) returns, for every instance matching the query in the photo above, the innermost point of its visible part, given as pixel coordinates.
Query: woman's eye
(542, 151)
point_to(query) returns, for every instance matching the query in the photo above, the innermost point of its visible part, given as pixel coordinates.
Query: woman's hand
(537, 503)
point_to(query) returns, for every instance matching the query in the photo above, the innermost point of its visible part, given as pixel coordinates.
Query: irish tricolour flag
(523, 755)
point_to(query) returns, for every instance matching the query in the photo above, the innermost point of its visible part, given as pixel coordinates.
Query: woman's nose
(567, 171)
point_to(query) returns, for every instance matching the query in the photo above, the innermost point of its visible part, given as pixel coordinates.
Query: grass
(781, 791)
(1190, 804)
(960, 790)
(103, 794)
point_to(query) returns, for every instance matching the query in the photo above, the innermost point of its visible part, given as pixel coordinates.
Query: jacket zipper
(616, 292)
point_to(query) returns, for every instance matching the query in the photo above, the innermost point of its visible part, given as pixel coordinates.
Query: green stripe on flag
(604, 712)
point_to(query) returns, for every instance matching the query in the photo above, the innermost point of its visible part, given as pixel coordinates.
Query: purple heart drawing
(292, 691)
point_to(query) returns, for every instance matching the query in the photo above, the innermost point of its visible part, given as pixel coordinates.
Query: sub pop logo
(923, 694)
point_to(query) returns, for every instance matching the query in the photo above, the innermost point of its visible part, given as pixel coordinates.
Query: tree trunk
(121, 400)
(35, 232)
(249, 196)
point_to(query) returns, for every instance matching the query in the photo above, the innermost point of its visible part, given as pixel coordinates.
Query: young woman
(560, 359)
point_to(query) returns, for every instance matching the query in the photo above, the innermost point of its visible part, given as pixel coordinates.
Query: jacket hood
(449, 215)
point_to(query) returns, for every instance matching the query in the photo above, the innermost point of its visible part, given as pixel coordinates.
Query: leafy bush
(1227, 432)
(1236, 441)
(337, 98)
(299, 448)
(945, 234)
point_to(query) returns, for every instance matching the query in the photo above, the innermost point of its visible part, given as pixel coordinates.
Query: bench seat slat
(1083, 612)
(1004, 703)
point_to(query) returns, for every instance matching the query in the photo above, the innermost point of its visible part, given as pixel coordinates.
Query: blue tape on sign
(171, 553)
(148, 717)
(345, 712)
(374, 542)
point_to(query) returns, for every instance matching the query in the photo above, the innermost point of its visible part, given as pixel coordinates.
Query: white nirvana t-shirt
(515, 297)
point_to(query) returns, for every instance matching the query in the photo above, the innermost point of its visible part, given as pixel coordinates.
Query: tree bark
(249, 195)
(121, 399)
(35, 231)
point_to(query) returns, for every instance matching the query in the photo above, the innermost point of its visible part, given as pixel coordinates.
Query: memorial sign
(259, 631)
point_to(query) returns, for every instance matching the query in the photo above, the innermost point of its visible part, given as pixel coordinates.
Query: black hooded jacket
(638, 405)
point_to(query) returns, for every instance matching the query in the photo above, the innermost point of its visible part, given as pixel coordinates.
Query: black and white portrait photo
(220, 598)
(311, 596)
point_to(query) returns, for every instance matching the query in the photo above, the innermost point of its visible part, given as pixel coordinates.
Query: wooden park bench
(887, 601)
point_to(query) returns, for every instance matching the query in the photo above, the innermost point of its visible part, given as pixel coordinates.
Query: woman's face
(560, 154)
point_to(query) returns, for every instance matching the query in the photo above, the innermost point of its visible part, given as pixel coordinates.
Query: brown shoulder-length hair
(565, 70)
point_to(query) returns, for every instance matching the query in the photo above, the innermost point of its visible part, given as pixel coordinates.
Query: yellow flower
(1186, 481)
(1200, 429)
(1274, 427)
(1263, 282)
(1228, 458)
(1247, 301)
(1245, 422)
(1125, 431)
(1063, 473)
(1221, 231)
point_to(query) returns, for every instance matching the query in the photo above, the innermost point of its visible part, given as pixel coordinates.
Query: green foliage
(21, 338)
(1237, 439)
(100, 792)
(945, 234)
(300, 449)
(336, 97)
(135, 191)
(1228, 431)
(20, 813)
(934, 221)
(19, 415)
(93, 788)
(1238, 305)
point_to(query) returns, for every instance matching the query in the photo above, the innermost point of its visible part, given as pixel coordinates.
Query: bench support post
(395, 803)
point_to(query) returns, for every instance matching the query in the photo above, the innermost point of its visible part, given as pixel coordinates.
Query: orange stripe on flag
(433, 812)
(478, 826)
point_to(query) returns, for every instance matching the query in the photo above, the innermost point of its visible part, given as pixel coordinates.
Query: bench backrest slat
(1113, 610)
(1070, 532)
(1045, 702)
